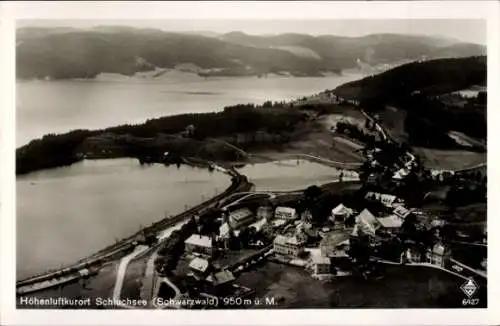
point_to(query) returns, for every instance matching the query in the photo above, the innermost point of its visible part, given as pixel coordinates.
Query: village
(374, 215)
(345, 232)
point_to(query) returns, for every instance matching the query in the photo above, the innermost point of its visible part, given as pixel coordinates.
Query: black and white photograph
(251, 164)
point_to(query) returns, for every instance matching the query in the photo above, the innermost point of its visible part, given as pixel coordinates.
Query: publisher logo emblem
(469, 287)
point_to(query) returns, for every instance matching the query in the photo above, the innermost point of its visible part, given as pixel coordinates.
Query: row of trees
(356, 132)
(58, 150)
(172, 250)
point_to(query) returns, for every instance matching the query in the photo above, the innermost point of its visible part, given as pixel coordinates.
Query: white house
(438, 255)
(391, 223)
(340, 213)
(225, 232)
(386, 199)
(199, 267)
(285, 213)
(288, 246)
(367, 222)
(402, 211)
(200, 244)
(320, 264)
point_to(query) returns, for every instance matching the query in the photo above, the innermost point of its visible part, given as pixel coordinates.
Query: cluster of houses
(331, 254)
(201, 248)
(327, 254)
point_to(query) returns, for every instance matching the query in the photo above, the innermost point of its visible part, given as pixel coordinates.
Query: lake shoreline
(100, 257)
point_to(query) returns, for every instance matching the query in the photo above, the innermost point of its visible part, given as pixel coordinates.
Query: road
(148, 280)
(270, 195)
(429, 265)
(122, 269)
(386, 136)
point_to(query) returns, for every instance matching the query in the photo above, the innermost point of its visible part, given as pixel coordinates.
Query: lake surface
(289, 175)
(59, 106)
(67, 213)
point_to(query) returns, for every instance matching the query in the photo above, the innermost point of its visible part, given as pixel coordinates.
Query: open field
(449, 159)
(317, 144)
(320, 144)
(402, 287)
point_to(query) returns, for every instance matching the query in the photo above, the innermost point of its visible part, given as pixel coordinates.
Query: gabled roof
(318, 259)
(221, 277)
(199, 264)
(366, 216)
(240, 214)
(391, 221)
(402, 211)
(341, 209)
(280, 240)
(439, 249)
(367, 221)
(285, 209)
(386, 199)
(283, 240)
(199, 240)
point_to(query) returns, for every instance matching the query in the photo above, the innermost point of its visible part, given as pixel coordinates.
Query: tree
(367, 124)
(159, 265)
(409, 227)
(312, 192)
(350, 221)
(360, 251)
(244, 237)
(481, 97)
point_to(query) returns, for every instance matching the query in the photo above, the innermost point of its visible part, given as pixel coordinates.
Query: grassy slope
(449, 159)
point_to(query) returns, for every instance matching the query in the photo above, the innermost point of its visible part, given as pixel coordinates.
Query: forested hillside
(58, 53)
(422, 90)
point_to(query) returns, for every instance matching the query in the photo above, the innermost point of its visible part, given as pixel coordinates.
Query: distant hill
(425, 95)
(372, 49)
(59, 53)
(432, 77)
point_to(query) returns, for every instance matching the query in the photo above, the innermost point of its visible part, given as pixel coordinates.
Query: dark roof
(221, 277)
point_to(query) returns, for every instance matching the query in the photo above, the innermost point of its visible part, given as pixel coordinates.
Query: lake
(287, 175)
(67, 213)
(59, 106)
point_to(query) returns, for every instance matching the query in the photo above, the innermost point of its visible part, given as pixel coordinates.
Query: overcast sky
(460, 29)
